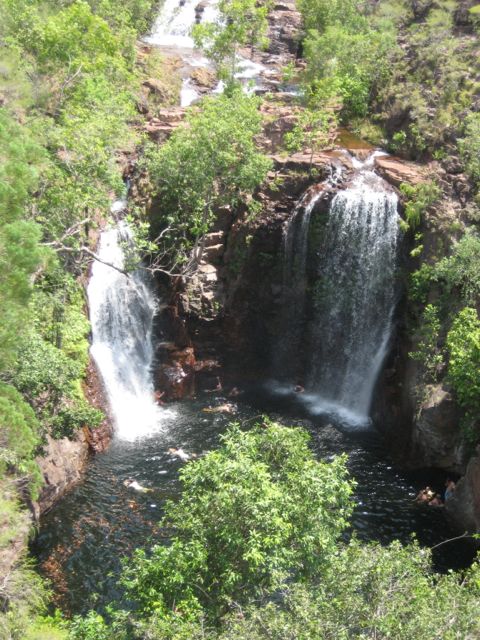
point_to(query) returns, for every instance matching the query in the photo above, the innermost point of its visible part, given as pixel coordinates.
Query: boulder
(204, 78)
(157, 88)
(62, 466)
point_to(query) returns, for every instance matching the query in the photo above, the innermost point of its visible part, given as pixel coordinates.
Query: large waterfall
(352, 298)
(121, 313)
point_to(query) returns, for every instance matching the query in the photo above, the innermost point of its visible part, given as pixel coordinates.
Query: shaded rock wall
(464, 506)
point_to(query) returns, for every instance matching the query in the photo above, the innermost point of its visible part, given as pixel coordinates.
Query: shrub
(428, 352)
(19, 438)
(418, 200)
(463, 342)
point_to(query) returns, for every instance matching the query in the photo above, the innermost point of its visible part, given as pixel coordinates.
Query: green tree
(255, 512)
(210, 162)
(463, 342)
(20, 252)
(369, 592)
(319, 14)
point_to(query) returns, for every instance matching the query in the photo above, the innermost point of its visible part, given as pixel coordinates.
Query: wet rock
(303, 163)
(175, 382)
(436, 434)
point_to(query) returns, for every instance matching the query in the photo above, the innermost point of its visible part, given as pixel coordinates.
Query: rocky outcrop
(437, 439)
(62, 465)
(395, 171)
(160, 127)
(285, 27)
(464, 506)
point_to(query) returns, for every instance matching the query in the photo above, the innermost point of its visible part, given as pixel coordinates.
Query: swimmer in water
(228, 407)
(179, 453)
(133, 484)
(425, 495)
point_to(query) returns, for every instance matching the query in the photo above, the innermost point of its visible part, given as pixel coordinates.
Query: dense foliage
(68, 85)
(256, 545)
(211, 162)
(448, 333)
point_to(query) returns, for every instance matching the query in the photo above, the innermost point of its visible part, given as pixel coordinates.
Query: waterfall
(121, 314)
(352, 299)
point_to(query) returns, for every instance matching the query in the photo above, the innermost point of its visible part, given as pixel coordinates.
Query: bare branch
(58, 246)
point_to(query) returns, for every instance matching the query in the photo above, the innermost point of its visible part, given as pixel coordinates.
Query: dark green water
(83, 540)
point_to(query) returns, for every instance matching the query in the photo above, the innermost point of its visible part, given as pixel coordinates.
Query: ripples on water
(84, 538)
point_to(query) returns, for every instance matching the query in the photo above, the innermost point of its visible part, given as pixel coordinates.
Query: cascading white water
(355, 293)
(121, 314)
(173, 30)
(343, 339)
(173, 25)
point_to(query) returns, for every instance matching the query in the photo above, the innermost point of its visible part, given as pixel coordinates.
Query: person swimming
(133, 484)
(180, 453)
(425, 495)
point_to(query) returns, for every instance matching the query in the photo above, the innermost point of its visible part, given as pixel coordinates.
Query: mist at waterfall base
(339, 320)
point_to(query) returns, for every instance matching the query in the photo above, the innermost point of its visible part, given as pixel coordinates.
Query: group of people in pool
(432, 499)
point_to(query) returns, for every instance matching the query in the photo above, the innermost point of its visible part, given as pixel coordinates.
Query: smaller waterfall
(121, 314)
(173, 26)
